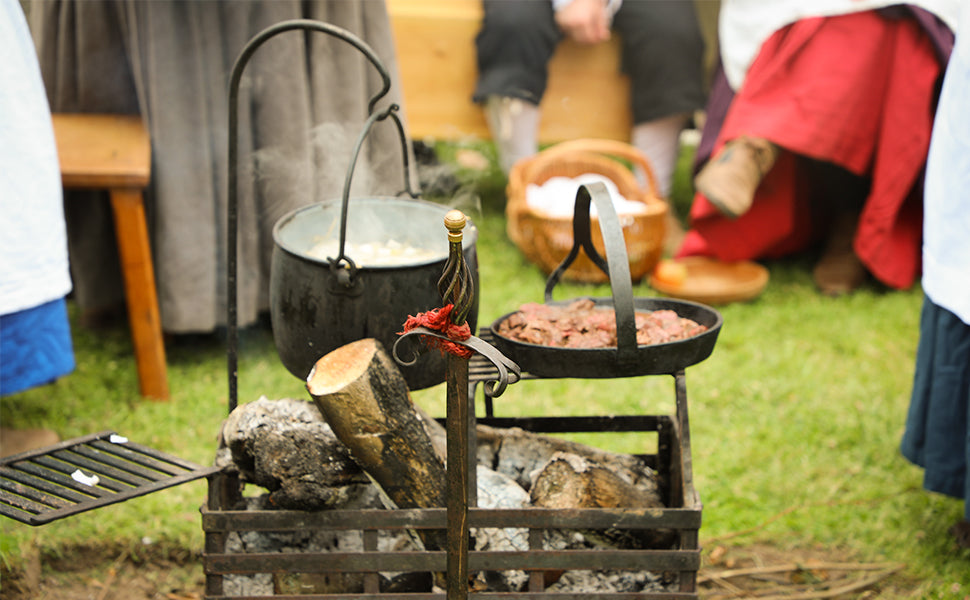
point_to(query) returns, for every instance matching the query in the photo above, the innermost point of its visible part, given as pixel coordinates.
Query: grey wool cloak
(302, 103)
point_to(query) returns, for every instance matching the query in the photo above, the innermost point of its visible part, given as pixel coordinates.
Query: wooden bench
(587, 95)
(113, 153)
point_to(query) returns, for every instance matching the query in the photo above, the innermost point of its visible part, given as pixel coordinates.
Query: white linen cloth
(946, 209)
(556, 197)
(33, 255)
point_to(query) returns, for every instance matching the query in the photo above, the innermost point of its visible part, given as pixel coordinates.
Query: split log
(365, 399)
(436, 432)
(522, 454)
(570, 481)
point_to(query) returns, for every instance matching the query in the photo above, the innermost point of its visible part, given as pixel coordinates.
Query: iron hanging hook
(232, 213)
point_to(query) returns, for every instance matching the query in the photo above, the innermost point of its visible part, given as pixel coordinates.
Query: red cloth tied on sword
(439, 319)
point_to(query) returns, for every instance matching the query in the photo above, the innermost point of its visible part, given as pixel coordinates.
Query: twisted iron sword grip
(456, 285)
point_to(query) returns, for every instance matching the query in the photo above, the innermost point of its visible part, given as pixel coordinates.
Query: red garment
(856, 90)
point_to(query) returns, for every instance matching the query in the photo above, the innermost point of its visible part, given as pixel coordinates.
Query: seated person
(819, 124)
(662, 52)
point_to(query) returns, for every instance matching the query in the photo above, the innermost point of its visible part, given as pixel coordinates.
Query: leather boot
(729, 180)
(840, 271)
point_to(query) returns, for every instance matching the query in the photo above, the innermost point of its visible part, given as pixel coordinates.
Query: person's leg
(659, 142)
(838, 196)
(663, 53)
(514, 124)
(514, 46)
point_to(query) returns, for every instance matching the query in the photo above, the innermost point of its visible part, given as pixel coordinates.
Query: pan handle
(616, 266)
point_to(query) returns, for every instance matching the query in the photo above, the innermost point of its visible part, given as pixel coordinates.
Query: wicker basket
(546, 239)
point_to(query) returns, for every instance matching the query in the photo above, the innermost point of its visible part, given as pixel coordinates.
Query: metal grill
(84, 473)
(222, 516)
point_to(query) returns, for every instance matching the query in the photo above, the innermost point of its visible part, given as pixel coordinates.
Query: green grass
(795, 418)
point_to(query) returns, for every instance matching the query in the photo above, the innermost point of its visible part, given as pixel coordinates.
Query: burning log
(364, 398)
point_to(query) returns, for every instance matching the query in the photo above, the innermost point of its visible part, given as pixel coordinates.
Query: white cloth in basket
(557, 196)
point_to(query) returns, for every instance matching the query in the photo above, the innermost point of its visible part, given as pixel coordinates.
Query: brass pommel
(455, 222)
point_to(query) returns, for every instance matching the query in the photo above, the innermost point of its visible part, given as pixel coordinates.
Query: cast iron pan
(627, 359)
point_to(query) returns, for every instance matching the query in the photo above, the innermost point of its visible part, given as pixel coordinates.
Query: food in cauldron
(582, 324)
(390, 253)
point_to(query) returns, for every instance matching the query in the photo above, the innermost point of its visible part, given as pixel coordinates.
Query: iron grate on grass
(77, 475)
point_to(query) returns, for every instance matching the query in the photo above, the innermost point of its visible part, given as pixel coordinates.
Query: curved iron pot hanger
(347, 273)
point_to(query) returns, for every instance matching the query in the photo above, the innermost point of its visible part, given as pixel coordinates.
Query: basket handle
(608, 147)
(616, 266)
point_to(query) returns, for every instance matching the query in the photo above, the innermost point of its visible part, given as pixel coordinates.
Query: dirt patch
(157, 572)
(106, 572)
(768, 572)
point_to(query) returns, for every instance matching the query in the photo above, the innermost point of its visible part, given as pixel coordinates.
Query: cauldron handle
(616, 266)
(391, 112)
(232, 219)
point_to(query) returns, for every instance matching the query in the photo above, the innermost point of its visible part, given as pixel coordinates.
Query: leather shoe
(730, 179)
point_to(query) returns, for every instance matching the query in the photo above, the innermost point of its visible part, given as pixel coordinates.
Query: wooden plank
(586, 96)
(436, 59)
(102, 151)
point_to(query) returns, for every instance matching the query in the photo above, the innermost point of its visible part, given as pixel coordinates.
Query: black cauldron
(319, 303)
(317, 307)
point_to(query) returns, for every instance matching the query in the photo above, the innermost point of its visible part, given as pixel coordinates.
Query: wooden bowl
(711, 281)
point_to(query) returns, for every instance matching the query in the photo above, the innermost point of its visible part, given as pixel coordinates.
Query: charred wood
(286, 447)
